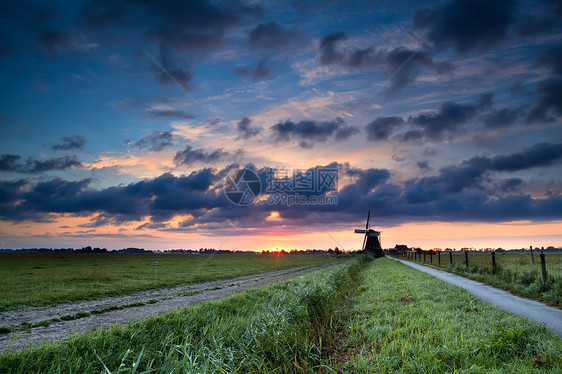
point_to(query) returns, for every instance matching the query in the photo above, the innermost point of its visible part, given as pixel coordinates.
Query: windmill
(371, 243)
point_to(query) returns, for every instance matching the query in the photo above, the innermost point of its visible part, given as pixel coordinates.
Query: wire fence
(517, 262)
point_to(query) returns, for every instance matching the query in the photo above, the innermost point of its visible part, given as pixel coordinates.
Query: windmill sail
(371, 241)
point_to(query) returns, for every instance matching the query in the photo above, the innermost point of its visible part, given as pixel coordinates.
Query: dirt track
(161, 301)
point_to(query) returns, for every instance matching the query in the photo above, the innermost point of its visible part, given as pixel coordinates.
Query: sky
(138, 123)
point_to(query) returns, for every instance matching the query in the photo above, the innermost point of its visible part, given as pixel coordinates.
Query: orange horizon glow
(65, 231)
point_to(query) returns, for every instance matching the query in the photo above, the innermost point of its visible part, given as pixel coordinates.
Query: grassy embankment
(283, 326)
(406, 321)
(46, 279)
(388, 318)
(515, 272)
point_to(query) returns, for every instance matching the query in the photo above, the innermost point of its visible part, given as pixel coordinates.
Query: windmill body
(371, 243)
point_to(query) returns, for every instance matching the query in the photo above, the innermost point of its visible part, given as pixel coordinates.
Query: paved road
(531, 309)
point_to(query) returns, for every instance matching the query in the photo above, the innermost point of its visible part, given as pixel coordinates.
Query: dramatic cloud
(190, 156)
(549, 102)
(503, 117)
(403, 65)
(167, 73)
(246, 130)
(467, 24)
(70, 143)
(308, 132)
(183, 25)
(382, 127)
(156, 141)
(467, 191)
(450, 118)
(271, 35)
(551, 58)
(259, 72)
(9, 162)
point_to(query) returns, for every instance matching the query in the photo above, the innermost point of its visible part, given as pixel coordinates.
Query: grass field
(44, 279)
(407, 321)
(360, 317)
(514, 272)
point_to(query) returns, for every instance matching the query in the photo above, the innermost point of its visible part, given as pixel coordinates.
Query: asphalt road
(533, 310)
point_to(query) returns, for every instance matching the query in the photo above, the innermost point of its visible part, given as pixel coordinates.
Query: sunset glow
(117, 132)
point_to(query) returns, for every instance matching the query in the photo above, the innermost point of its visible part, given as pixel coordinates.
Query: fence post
(431, 258)
(466, 258)
(532, 257)
(493, 258)
(424, 257)
(451, 257)
(543, 269)
(439, 257)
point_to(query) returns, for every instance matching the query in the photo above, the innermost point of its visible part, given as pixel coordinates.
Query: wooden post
(543, 269)
(494, 258)
(424, 257)
(451, 257)
(439, 257)
(466, 258)
(532, 257)
(431, 258)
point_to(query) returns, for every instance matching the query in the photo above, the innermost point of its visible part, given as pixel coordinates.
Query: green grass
(514, 272)
(46, 279)
(517, 262)
(279, 328)
(406, 321)
(361, 317)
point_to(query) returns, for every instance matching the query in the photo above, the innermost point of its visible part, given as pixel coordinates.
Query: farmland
(363, 316)
(47, 279)
(516, 272)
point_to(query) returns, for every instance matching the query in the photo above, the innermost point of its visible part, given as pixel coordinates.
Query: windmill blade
(368, 218)
(364, 241)
(360, 231)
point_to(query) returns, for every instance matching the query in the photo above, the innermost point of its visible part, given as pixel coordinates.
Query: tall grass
(406, 321)
(280, 328)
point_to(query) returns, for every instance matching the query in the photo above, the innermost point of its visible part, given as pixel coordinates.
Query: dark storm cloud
(549, 102)
(70, 143)
(503, 117)
(167, 72)
(245, 129)
(551, 58)
(10, 162)
(307, 132)
(172, 114)
(156, 141)
(270, 35)
(466, 191)
(449, 118)
(511, 184)
(382, 127)
(403, 65)
(190, 156)
(259, 72)
(183, 25)
(542, 154)
(161, 198)
(368, 179)
(467, 24)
